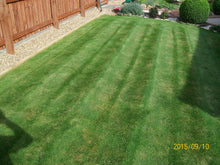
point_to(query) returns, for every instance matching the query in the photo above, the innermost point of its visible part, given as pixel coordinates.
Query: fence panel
(1, 37)
(67, 8)
(90, 3)
(28, 16)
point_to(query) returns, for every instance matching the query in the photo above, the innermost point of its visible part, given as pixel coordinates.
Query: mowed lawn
(119, 90)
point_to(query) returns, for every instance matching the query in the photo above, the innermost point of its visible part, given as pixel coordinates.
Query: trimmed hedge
(194, 11)
(216, 7)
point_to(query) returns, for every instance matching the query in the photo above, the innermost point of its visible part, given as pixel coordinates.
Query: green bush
(216, 7)
(194, 11)
(153, 12)
(133, 8)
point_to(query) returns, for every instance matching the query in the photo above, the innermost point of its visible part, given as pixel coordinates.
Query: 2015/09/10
(191, 146)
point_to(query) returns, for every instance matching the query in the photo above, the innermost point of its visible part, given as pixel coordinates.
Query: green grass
(120, 90)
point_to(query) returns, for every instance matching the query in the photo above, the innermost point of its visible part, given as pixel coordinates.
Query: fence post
(6, 28)
(82, 8)
(54, 13)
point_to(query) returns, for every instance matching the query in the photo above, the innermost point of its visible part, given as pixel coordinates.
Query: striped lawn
(120, 90)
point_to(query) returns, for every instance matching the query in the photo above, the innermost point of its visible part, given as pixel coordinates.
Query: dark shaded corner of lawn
(11, 144)
(202, 88)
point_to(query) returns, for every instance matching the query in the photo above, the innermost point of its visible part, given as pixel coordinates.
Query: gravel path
(34, 44)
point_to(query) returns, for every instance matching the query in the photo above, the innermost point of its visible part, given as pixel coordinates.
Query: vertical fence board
(6, 27)
(54, 13)
(82, 7)
(67, 8)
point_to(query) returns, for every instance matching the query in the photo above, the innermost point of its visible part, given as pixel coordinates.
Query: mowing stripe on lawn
(100, 80)
(130, 106)
(92, 55)
(109, 126)
(97, 96)
(55, 63)
(104, 144)
(59, 81)
(152, 143)
(131, 101)
(76, 86)
(180, 119)
(115, 45)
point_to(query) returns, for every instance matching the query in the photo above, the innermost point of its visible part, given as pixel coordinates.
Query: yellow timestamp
(193, 146)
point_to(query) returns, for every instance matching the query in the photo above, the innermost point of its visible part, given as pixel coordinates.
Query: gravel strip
(115, 2)
(32, 45)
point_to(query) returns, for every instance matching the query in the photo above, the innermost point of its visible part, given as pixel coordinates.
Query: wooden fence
(18, 18)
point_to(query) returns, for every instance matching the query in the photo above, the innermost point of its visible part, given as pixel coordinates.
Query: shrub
(216, 7)
(133, 8)
(153, 12)
(194, 11)
(164, 14)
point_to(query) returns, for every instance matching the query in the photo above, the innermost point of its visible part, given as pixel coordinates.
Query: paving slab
(214, 21)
